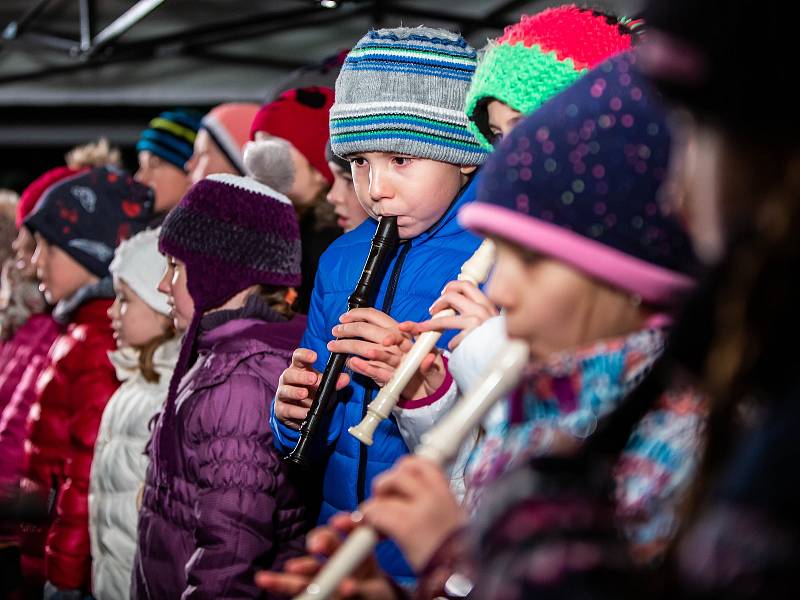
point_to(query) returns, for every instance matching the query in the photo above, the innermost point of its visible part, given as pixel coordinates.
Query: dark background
(55, 94)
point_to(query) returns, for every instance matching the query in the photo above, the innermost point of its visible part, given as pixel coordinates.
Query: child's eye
(401, 161)
(358, 161)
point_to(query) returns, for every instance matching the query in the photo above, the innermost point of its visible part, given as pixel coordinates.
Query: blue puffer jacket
(414, 279)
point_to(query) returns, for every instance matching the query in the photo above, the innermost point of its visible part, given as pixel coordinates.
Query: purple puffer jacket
(223, 507)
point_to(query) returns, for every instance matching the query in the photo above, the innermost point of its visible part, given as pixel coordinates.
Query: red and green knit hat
(540, 56)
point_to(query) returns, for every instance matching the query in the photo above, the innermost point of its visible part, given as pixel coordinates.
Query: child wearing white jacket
(147, 350)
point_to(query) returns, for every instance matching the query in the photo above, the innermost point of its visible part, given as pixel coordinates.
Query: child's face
(174, 286)
(416, 190)
(342, 195)
(60, 275)
(308, 184)
(134, 322)
(24, 246)
(502, 119)
(555, 307)
(207, 159)
(168, 182)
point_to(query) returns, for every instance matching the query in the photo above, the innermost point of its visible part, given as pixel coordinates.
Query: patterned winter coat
(569, 395)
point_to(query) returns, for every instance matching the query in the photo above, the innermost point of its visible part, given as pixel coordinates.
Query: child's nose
(379, 187)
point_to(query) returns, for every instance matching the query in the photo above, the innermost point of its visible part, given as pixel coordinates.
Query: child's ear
(468, 170)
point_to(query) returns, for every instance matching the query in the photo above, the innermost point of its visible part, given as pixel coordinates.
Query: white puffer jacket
(119, 465)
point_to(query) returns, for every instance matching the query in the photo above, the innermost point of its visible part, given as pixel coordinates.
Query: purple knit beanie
(579, 181)
(232, 232)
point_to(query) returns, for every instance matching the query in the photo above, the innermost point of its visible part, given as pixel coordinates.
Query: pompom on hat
(578, 181)
(138, 263)
(539, 57)
(403, 90)
(270, 162)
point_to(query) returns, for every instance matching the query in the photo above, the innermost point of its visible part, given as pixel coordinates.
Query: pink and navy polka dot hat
(579, 181)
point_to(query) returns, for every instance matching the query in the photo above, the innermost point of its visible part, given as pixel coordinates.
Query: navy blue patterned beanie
(89, 214)
(579, 181)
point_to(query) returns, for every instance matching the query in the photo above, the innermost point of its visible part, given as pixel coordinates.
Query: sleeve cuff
(435, 397)
(283, 437)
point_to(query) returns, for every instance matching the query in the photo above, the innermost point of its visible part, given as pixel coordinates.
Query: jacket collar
(599, 374)
(126, 360)
(69, 309)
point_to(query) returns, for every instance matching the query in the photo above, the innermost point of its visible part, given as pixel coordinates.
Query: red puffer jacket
(73, 391)
(22, 360)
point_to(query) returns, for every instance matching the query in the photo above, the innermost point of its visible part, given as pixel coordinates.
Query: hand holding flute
(474, 271)
(439, 446)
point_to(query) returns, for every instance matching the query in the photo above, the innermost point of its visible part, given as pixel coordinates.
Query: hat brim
(652, 283)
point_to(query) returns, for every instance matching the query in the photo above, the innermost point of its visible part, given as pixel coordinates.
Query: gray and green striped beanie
(403, 90)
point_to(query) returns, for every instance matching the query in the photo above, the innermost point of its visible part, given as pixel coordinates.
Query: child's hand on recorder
(297, 386)
(368, 582)
(472, 308)
(412, 504)
(377, 346)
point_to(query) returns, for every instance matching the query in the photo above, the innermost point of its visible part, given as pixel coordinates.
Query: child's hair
(278, 298)
(147, 353)
(8, 228)
(94, 154)
(755, 295)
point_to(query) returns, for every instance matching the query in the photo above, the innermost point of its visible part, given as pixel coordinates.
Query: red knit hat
(300, 116)
(30, 196)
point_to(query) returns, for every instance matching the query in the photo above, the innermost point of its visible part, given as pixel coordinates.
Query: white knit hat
(138, 263)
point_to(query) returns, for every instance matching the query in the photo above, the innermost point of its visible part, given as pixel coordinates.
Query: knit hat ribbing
(578, 181)
(539, 57)
(89, 214)
(229, 126)
(138, 263)
(403, 90)
(232, 232)
(170, 136)
(300, 117)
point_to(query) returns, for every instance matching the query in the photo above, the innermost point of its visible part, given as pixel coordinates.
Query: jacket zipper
(388, 300)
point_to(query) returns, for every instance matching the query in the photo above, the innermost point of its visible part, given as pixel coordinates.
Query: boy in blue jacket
(399, 119)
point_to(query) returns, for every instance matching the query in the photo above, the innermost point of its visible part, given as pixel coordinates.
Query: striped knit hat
(229, 126)
(403, 90)
(540, 56)
(170, 136)
(232, 232)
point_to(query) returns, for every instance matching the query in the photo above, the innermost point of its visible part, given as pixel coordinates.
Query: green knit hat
(540, 56)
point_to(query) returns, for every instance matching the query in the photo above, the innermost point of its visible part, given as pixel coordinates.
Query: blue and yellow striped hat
(170, 136)
(403, 90)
